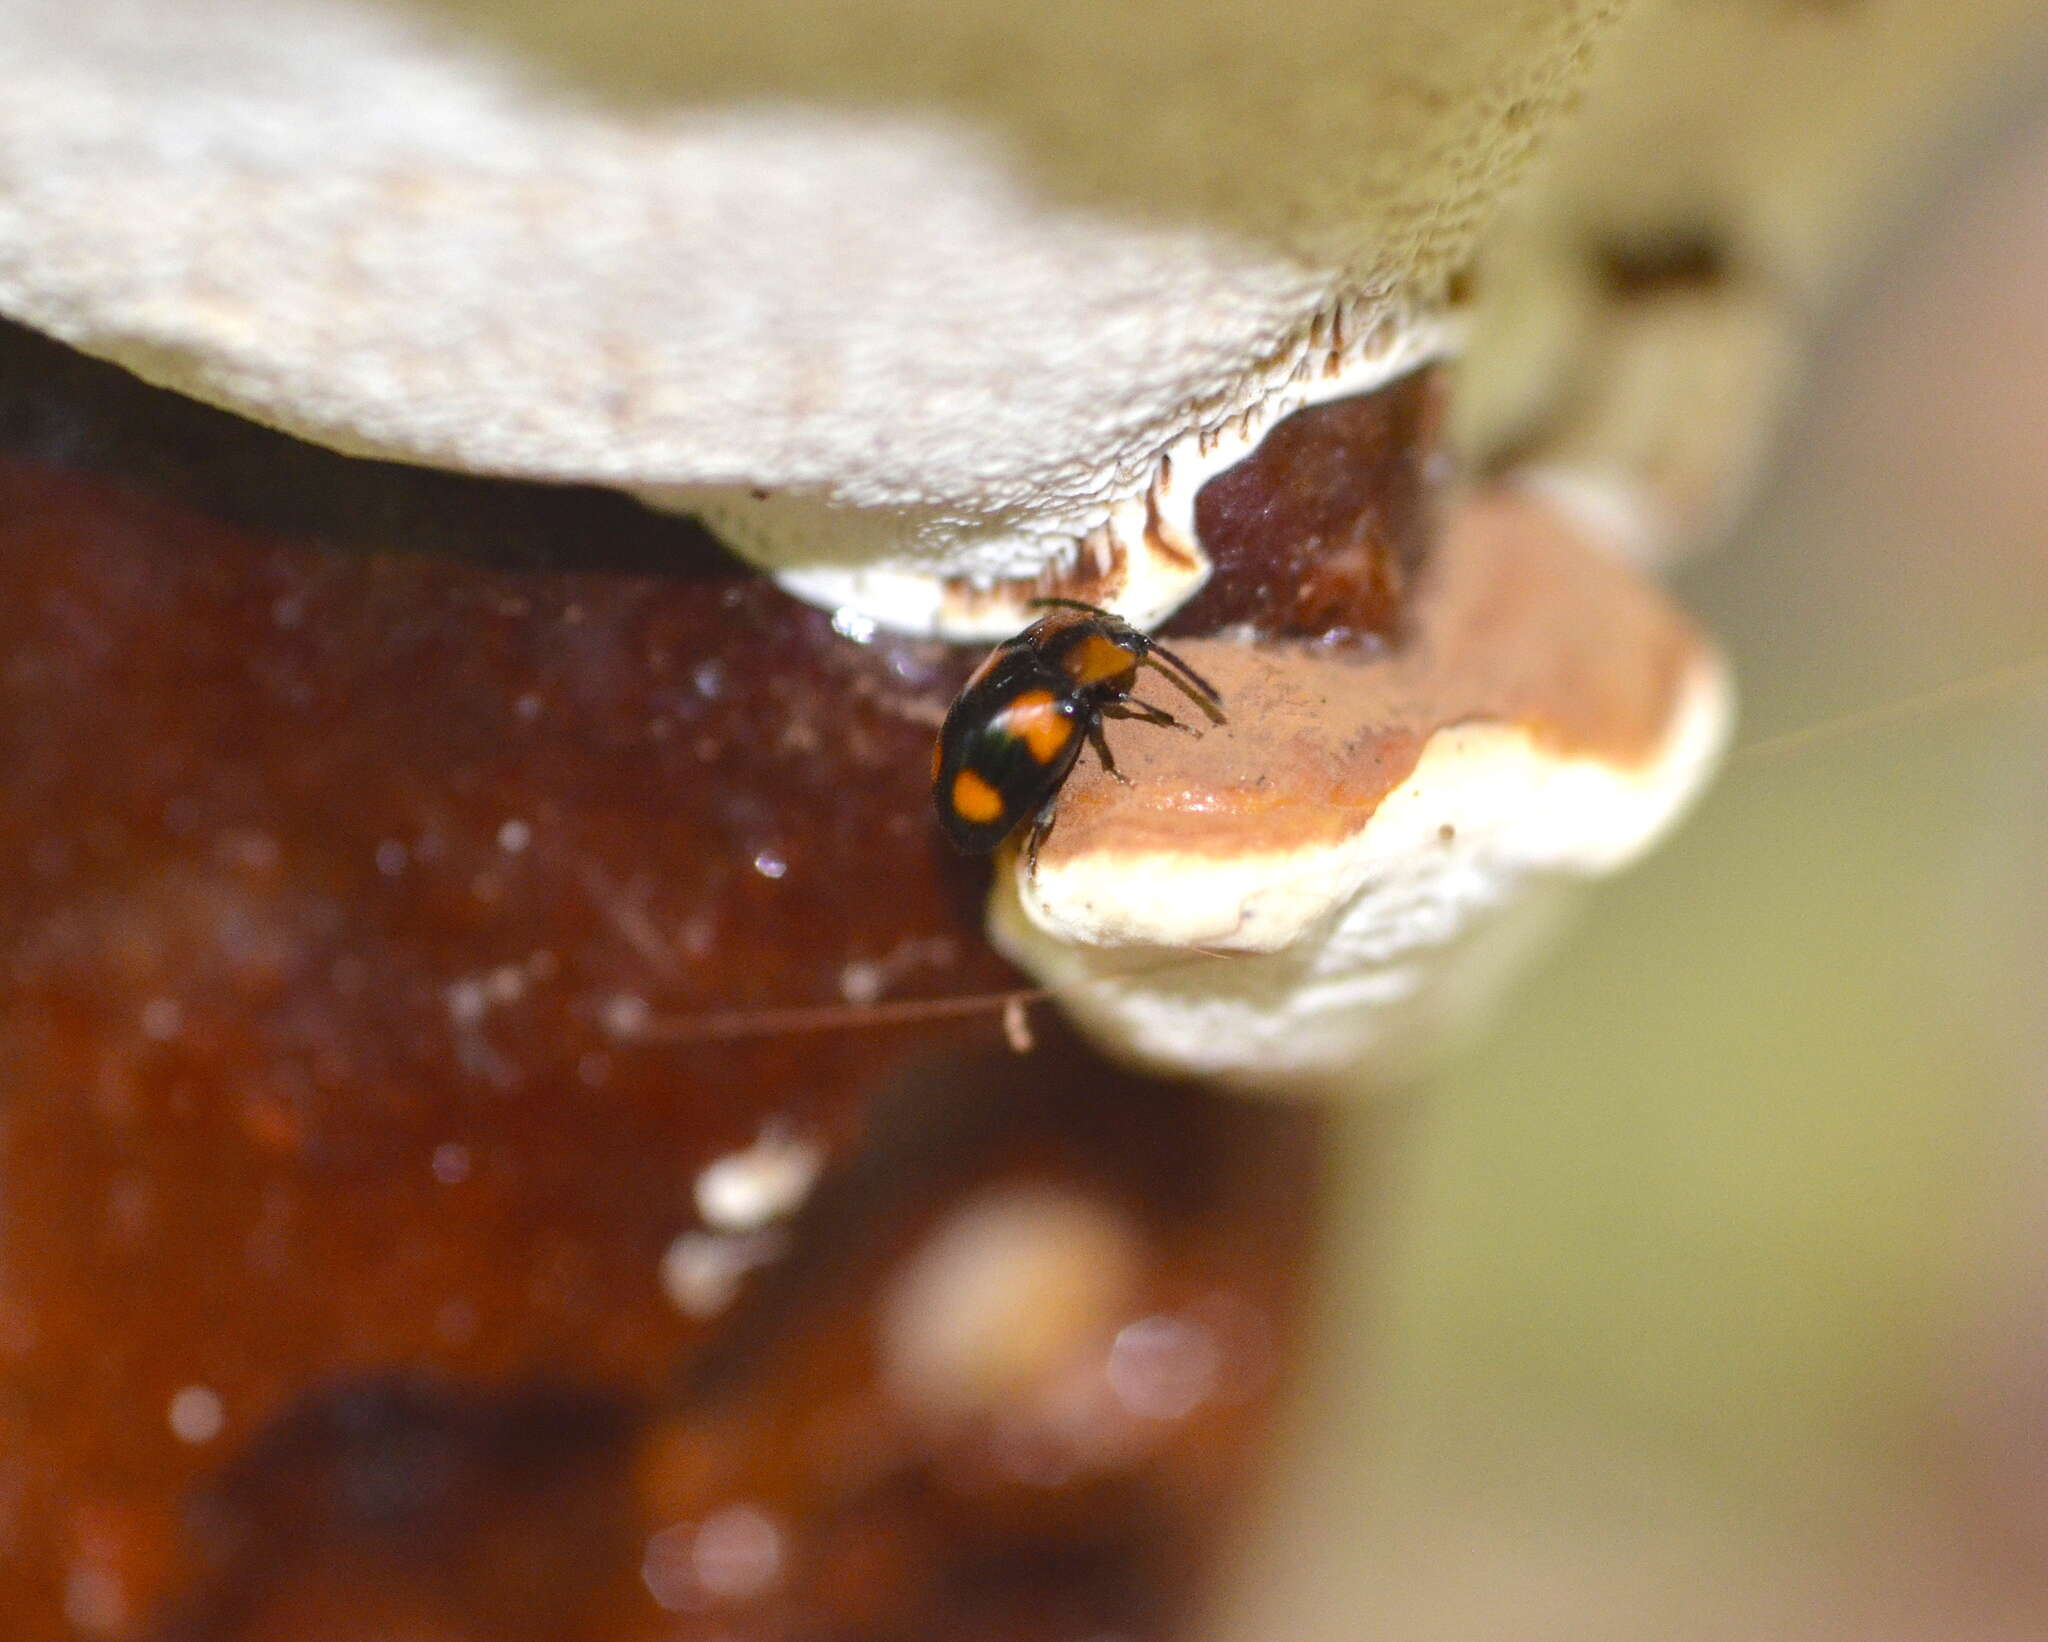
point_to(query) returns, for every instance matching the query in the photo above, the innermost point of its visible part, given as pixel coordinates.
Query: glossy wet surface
(363, 868)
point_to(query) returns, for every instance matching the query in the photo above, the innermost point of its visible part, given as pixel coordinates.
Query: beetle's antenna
(1191, 683)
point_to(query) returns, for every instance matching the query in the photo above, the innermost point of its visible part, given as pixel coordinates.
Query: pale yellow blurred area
(1707, 1298)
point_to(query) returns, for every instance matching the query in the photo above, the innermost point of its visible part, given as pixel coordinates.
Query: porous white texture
(944, 277)
(1148, 542)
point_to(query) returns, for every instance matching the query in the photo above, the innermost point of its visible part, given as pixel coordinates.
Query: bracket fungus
(1079, 267)
(1336, 844)
(501, 928)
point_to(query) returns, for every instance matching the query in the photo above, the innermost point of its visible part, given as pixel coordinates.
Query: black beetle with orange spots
(1018, 725)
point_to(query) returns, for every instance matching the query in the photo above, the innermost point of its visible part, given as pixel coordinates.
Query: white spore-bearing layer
(1134, 548)
(1354, 953)
(948, 315)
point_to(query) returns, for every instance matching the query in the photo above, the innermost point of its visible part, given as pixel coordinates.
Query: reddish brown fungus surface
(364, 835)
(1320, 532)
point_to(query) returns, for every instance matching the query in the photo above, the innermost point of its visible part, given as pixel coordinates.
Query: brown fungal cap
(1516, 623)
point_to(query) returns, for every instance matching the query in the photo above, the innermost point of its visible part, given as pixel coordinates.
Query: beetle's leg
(1041, 830)
(1145, 713)
(1101, 746)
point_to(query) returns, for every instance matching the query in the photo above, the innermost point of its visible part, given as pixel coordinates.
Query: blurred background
(1708, 1296)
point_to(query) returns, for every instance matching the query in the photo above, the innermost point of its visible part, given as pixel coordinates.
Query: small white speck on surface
(1017, 1027)
(768, 1181)
(860, 982)
(506, 984)
(626, 1015)
(864, 981)
(451, 1163)
(527, 706)
(734, 1555)
(849, 623)
(769, 864)
(94, 1601)
(666, 1571)
(593, 1069)
(514, 835)
(196, 1414)
(162, 1019)
(391, 857)
(1164, 1367)
(467, 1001)
(701, 1272)
(709, 679)
(737, 1554)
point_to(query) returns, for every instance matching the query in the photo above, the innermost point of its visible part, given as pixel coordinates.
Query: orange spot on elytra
(975, 801)
(1035, 718)
(1096, 659)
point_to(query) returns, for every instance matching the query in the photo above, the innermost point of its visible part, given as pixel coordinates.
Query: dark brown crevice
(1320, 533)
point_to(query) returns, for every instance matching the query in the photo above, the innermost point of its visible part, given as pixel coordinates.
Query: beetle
(1012, 735)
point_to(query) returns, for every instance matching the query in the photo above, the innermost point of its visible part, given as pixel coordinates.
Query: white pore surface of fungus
(924, 284)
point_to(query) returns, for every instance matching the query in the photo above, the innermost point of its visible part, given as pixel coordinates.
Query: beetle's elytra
(1019, 723)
